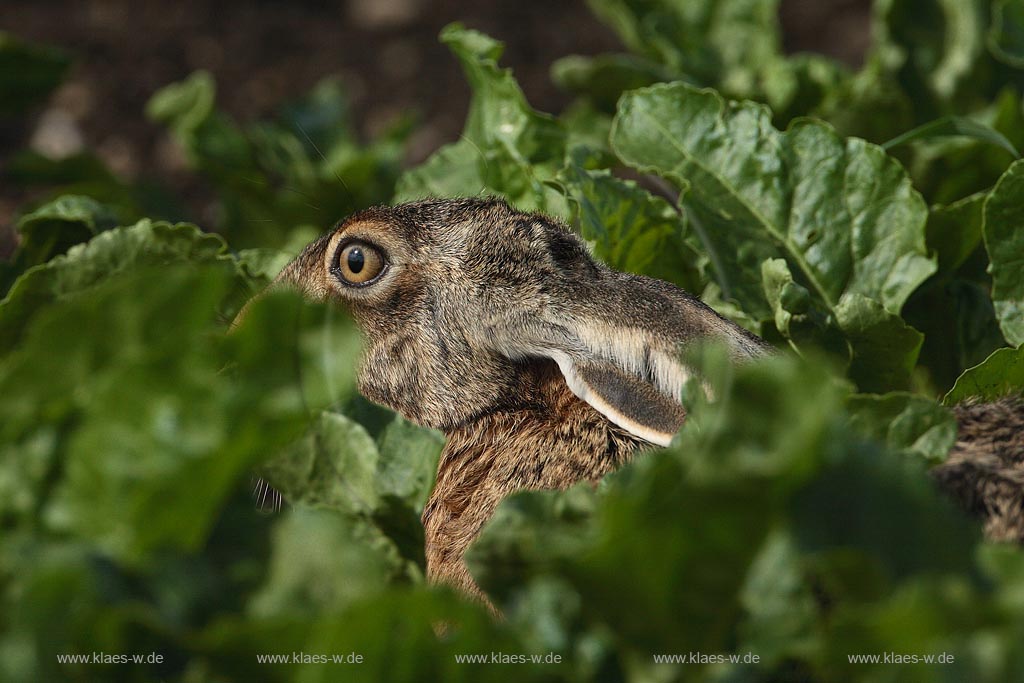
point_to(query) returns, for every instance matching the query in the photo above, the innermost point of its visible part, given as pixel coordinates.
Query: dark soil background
(262, 53)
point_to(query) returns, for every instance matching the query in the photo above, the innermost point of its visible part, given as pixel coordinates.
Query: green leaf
(603, 78)
(823, 204)
(954, 230)
(704, 545)
(55, 227)
(874, 505)
(798, 316)
(947, 169)
(338, 466)
(28, 73)
(884, 347)
(103, 257)
(906, 423)
(506, 148)
(454, 170)
(332, 467)
(934, 46)
(184, 106)
(588, 128)
(780, 617)
(841, 214)
(529, 534)
(632, 230)
(720, 43)
(1004, 240)
(1001, 374)
(959, 323)
(143, 432)
(276, 178)
(68, 212)
(1006, 34)
(954, 126)
(323, 562)
(679, 533)
(408, 462)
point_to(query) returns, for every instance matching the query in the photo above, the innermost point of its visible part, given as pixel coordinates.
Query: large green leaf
(52, 229)
(122, 399)
(906, 423)
(323, 560)
(331, 467)
(506, 148)
(1000, 374)
(339, 466)
(840, 213)
(884, 347)
(106, 255)
(408, 462)
(632, 230)
(720, 43)
(381, 486)
(954, 230)
(1004, 239)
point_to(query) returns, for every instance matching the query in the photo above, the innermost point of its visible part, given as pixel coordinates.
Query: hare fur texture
(984, 471)
(545, 368)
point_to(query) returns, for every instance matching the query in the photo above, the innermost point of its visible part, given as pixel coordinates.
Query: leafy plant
(793, 519)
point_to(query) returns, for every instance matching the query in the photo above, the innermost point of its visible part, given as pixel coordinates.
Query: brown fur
(985, 470)
(546, 439)
(546, 368)
(543, 366)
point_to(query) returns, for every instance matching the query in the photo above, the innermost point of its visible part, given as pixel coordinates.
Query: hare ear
(631, 376)
(628, 400)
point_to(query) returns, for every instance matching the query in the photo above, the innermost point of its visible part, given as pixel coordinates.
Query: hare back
(985, 470)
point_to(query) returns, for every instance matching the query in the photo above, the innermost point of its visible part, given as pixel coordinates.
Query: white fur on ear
(631, 350)
(618, 371)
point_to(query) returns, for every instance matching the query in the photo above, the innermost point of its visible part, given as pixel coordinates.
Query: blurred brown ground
(261, 53)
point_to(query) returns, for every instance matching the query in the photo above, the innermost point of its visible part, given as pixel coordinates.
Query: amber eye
(359, 263)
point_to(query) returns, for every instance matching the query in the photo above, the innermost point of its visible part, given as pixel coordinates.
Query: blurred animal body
(544, 367)
(984, 471)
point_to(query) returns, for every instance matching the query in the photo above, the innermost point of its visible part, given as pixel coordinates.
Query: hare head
(453, 294)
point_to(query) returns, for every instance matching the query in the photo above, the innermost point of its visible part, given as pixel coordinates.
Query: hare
(545, 368)
(542, 366)
(985, 469)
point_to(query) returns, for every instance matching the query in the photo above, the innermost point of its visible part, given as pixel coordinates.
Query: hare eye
(359, 263)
